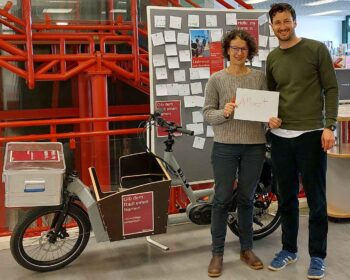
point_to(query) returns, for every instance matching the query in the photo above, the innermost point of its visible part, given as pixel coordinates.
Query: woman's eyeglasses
(237, 49)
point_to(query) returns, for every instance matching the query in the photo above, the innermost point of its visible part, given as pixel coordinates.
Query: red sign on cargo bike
(137, 213)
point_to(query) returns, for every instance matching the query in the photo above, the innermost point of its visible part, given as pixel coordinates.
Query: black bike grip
(185, 131)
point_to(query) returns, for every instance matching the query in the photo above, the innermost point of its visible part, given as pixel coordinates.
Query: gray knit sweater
(220, 89)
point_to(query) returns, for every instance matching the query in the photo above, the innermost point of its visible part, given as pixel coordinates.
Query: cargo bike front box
(33, 173)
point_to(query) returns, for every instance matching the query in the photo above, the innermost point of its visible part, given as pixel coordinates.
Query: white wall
(320, 28)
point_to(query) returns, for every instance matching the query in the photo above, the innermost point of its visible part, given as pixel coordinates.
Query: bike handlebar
(170, 126)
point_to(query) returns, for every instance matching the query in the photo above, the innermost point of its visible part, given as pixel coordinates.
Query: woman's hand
(229, 108)
(274, 122)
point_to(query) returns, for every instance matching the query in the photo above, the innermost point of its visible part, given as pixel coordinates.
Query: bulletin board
(184, 50)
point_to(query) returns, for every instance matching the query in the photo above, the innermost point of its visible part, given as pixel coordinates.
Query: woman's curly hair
(243, 35)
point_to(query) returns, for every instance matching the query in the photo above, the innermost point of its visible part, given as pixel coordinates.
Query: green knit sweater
(305, 78)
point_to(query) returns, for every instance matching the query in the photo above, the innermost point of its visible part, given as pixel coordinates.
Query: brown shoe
(251, 259)
(215, 266)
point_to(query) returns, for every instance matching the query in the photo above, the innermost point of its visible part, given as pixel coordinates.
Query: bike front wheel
(35, 245)
(266, 216)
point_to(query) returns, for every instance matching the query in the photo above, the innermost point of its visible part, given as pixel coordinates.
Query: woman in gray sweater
(239, 147)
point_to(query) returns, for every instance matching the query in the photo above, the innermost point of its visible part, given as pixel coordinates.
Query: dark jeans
(304, 155)
(226, 160)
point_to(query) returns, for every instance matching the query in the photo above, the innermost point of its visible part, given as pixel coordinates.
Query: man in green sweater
(301, 70)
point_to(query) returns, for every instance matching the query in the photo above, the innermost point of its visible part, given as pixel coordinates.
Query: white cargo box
(33, 173)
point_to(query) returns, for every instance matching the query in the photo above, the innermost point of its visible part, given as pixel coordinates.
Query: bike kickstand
(157, 244)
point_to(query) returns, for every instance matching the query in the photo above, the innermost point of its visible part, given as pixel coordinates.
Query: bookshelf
(338, 175)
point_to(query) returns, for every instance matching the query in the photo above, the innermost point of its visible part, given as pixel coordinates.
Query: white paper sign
(179, 76)
(161, 90)
(170, 50)
(161, 73)
(193, 21)
(170, 36)
(273, 42)
(196, 88)
(256, 62)
(197, 128)
(158, 60)
(172, 89)
(231, 19)
(184, 55)
(197, 117)
(182, 38)
(183, 89)
(198, 143)
(256, 105)
(263, 54)
(175, 22)
(262, 19)
(263, 41)
(173, 62)
(159, 21)
(211, 20)
(158, 39)
(216, 35)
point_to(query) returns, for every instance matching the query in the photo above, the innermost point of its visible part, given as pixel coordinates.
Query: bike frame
(193, 195)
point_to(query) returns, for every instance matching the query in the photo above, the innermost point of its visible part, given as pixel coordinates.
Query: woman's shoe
(215, 266)
(251, 259)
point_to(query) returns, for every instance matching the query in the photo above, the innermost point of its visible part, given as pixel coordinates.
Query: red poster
(206, 49)
(171, 112)
(250, 25)
(137, 213)
(32, 156)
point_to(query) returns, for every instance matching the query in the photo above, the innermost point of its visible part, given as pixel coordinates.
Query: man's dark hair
(243, 35)
(281, 7)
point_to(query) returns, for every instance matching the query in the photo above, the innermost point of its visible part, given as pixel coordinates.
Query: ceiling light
(254, 1)
(320, 2)
(326, 13)
(118, 11)
(57, 11)
(62, 23)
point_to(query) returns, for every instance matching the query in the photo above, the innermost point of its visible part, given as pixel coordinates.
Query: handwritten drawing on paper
(170, 36)
(158, 39)
(182, 38)
(175, 22)
(193, 21)
(198, 143)
(160, 21)
(231, 19)
(211, 20)
(256, 105)
(158, 60)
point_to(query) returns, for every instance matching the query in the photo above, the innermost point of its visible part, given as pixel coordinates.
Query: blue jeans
(227, 159)
(304, 155)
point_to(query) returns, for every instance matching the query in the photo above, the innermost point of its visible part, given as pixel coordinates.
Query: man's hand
(274, 122)
(327, 139)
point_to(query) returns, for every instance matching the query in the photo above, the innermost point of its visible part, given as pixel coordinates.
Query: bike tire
(21, 247)
(260, 232)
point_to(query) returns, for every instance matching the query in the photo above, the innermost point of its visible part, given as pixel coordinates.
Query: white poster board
(256, 105)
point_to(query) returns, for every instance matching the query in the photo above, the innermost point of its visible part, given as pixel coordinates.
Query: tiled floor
(188, 258)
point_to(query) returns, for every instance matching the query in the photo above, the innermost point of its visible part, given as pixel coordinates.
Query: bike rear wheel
(266, 216)
(35, 246)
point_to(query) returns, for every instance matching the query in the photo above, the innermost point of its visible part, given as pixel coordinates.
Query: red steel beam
(135, 47)
(27, 15)
(73, 121)
(73, 135)
(100, 144)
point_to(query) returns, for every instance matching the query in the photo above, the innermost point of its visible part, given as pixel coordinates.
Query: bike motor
(200, 214)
